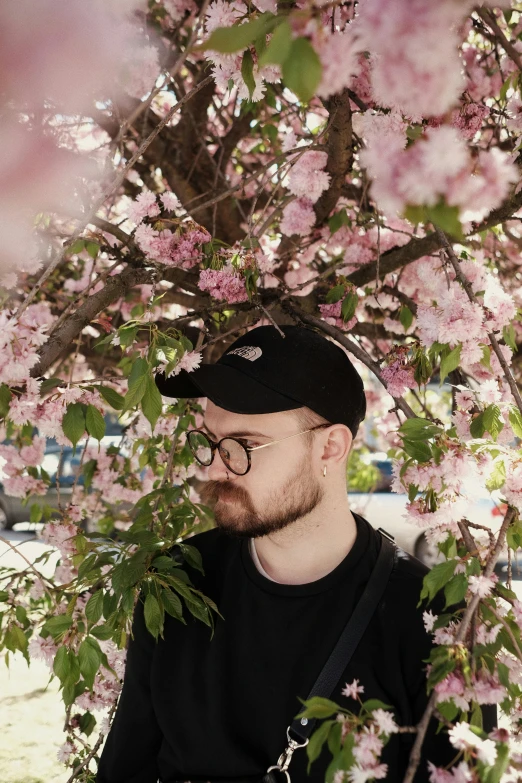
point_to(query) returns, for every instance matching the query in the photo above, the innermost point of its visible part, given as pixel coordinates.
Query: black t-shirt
(200, 709)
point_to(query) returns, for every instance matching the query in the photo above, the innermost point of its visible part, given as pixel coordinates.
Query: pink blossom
(465, 399)
(398, 378)
(514, 112)
(142, 69)
(306, 178)
(333, 49)
(61, 536)
(416, 67)
(170, 201)
(220, 14)
(178, 8)
(332, 315)
(223, 284)
(385, 722)
(34, 454)
(353, 689)
(44, 649)
(298, 218)
(468, 119)
(144, 206)
(189, 362)
(429, 620)
(482, 585)
(65, 751)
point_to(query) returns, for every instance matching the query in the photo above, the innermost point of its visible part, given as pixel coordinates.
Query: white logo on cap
(250, 352)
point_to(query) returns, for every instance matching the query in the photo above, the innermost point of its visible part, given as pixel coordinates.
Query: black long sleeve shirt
(200, 709)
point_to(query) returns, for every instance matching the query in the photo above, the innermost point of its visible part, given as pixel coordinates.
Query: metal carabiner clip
(283, 762)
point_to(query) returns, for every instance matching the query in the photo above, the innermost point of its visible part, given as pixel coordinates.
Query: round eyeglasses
(234, 453)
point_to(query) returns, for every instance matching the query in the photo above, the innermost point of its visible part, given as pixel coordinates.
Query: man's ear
(338, 444)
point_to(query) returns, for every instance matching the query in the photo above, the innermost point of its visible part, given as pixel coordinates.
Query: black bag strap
(300, 729)
(351, 636)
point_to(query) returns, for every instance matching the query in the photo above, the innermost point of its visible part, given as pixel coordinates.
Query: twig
(459, 638)
(40, 576)
(471, 296)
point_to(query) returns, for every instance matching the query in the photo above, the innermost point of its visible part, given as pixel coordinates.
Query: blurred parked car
(387, 510)
(17, 514)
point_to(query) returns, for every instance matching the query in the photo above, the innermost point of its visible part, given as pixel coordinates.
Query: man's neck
(309, 548)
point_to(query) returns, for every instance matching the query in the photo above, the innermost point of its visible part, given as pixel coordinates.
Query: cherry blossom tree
(177, 172)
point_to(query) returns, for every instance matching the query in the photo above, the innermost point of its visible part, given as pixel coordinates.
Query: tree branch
(114, 288)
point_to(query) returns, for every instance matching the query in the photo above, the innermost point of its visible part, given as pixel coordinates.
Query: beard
(236, 515)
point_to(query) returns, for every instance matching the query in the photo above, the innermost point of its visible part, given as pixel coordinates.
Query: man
(286, 566)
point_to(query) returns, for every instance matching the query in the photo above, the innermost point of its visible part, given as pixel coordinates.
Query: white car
(387, 510)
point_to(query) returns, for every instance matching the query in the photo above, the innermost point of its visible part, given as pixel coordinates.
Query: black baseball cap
(264, 372)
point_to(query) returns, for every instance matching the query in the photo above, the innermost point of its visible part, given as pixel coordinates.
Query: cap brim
(226, 387)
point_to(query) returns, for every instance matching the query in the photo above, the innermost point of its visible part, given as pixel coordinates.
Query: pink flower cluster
(61, 535)
(469, 118)
(307, 178)
(181, 248)
(415, 63)
(16, 483)
(145, 205)
(339, 57)
(332, 315)
(224, 284)
(399, 378)
(298, 218)
(20, 341)
(437, 167)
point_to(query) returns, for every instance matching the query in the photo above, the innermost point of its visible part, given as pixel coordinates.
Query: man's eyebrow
(238, 434)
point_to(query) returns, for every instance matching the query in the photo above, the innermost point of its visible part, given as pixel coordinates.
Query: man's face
(281, 485)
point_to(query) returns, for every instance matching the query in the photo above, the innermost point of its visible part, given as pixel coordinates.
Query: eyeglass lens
(232, 453)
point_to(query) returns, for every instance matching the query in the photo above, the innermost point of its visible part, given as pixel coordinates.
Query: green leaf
(89, 656)
(455, 590)
(172, 604)
(509, 336)
(302, 69)
(317, 740)
(278, 49)
(446, 217)
(448, 709)
(94, 607)
(247, 72)
(62, 664)
(87, 723)
(515, 420)
(73, 422)
(49, 384)
(239, 36)
(335, 294)
(514, 535)
(95, 422)
(76, 247)
(349, 306)
(338, 220)
(405, 317)
(56, 626)
(497, 477)
(449, 362)
(112, 397)
(419, 429)
(36, 513)
(138, 381)
(439, 575)
(375, 704)
(493, 421)
(92, 248)
(192, 556)
(152, 612)
(151, 404)
(319, 707)
(5, 400)
(477, 427)
(417, 449)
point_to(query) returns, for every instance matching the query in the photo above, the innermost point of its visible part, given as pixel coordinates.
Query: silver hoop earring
(324, 471)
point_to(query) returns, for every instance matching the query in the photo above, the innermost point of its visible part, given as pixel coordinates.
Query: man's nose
(218, 471)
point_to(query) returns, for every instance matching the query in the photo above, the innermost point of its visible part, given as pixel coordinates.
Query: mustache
(216, 490)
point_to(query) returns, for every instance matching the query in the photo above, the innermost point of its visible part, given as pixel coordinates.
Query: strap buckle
(283, 762)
